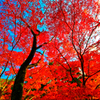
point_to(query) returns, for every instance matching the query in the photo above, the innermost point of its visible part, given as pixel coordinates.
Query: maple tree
(51, 49)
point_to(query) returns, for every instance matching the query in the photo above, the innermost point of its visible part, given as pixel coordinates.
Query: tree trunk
(18, 84)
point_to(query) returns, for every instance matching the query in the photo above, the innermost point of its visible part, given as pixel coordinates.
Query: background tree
(75, 25)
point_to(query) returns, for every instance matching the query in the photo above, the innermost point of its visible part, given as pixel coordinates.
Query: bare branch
(78, 54)
(90, 37)
(93, 45)
(28, 26)
(34, 64)
(68, 66)
(64, 58)
(97, 86)
(4, 68)
(38, 32)
(41, 45)
(92, 75)
(64, 16)
(44, 43)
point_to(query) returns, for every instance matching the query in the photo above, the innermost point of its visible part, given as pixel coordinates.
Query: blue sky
(41, 28)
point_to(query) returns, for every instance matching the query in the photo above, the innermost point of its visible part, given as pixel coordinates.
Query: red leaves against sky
(72, 30)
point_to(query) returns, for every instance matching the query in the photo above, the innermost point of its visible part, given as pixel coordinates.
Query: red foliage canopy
(66, 60)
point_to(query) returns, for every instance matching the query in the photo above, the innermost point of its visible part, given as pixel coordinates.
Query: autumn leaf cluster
(61, 38)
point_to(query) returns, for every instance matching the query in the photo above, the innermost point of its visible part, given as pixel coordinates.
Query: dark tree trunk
(18, 84)
(82, 66)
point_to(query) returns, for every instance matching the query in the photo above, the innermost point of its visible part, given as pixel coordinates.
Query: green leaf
(76, 80)
(33, 89)
(12, 88)
(51, 63)
(42, 86)
(49, 81)
(43, 95)
(26, 97)
(78, 73)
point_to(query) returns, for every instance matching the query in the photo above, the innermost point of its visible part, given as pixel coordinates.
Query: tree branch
(68, 66)
(34, 64)
(44, 43)
(92, 75)
(64, 16)
(90, 37)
